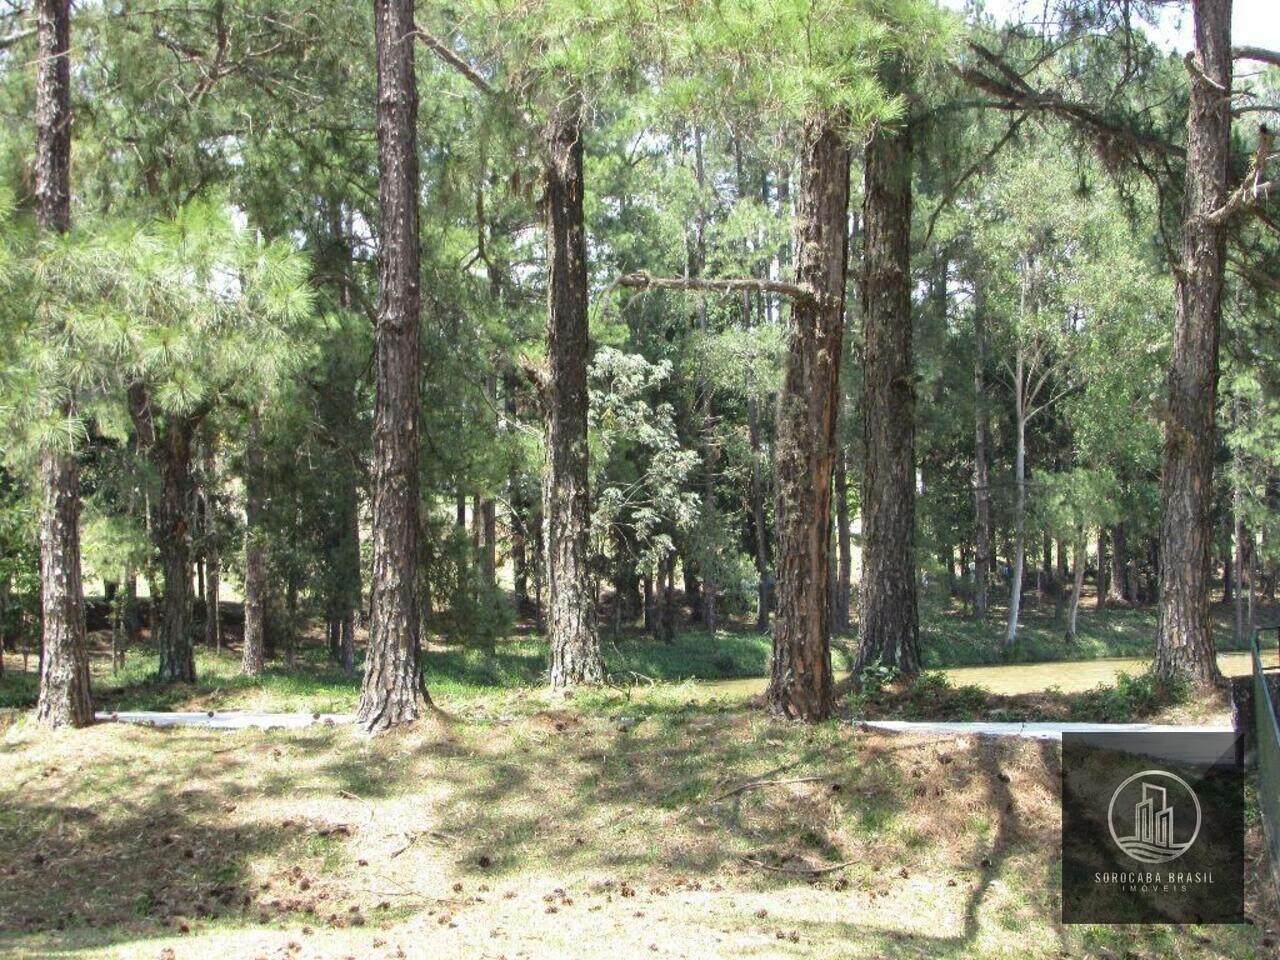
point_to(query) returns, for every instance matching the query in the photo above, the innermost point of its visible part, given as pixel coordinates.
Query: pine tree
(393, 678)
(65, 699)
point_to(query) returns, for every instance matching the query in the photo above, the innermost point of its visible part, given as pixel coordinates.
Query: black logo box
(1152, 828)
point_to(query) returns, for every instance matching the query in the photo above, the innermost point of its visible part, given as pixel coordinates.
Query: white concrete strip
(228, 720)
(1036, 731)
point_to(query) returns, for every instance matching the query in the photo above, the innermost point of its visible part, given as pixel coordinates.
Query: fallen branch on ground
(741, 788)
(348, 795)
(800, 871)
(433, 836)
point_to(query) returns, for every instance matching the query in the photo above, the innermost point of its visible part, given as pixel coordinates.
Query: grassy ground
(524, 825)
(948, 638)
(732, 658)
(1130, 698)
(454, 673)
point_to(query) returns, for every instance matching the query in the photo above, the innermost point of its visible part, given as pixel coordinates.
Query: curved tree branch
(1261, 54)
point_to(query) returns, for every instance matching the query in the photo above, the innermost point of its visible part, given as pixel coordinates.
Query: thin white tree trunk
(1237, 568)
(1019, 535)
(1077, 584)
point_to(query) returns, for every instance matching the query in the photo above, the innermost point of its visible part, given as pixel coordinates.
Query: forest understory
(729, 665)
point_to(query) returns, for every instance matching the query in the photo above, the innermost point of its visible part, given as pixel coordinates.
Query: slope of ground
(531, 827)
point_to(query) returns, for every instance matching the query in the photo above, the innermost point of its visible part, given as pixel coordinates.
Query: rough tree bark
(167, 440)
(64, 698)
(1184, 638)
(253, 650)
(889, 624)
(575, 644)
(212, 557)
(844, 549)
(800, 681)
(392, 678)
(172, 529)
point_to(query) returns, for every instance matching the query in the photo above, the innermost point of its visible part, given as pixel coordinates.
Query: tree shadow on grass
(127, 870)
(104, 849)
(701, 804)
(681, 794)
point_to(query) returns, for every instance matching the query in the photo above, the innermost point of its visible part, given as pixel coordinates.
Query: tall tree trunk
(167, 441)
(538, 569)
(710, 453)
(132, 611)
(347, 642)
(692, 588)
(349, 561)
(667, 587)
(982, 558)
(212, 597)
(1100, 600)
(758, 517)
(253, 650)
(489, 545)
(177, 660)
(212, 556)
(757, 492)
(1020, 511)
(800, 681)
(5, 583)
(519, 541)
(1077, 583)
(1118, 589)
(343, 568)
(519, 504)
(1251, 623)
(292, 622)
(393, 675)
(844, 550)
(64, 697)
(575, 644)
(1044, 577)
(889, 622)
(1184, 638)
(1237, 536)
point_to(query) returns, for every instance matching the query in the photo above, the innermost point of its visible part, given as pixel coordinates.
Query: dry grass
(532, 828)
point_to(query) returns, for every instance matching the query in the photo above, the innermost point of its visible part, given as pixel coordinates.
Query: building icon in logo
(1160, 829)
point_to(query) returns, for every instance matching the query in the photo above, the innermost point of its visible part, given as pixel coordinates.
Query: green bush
(1131, 697)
